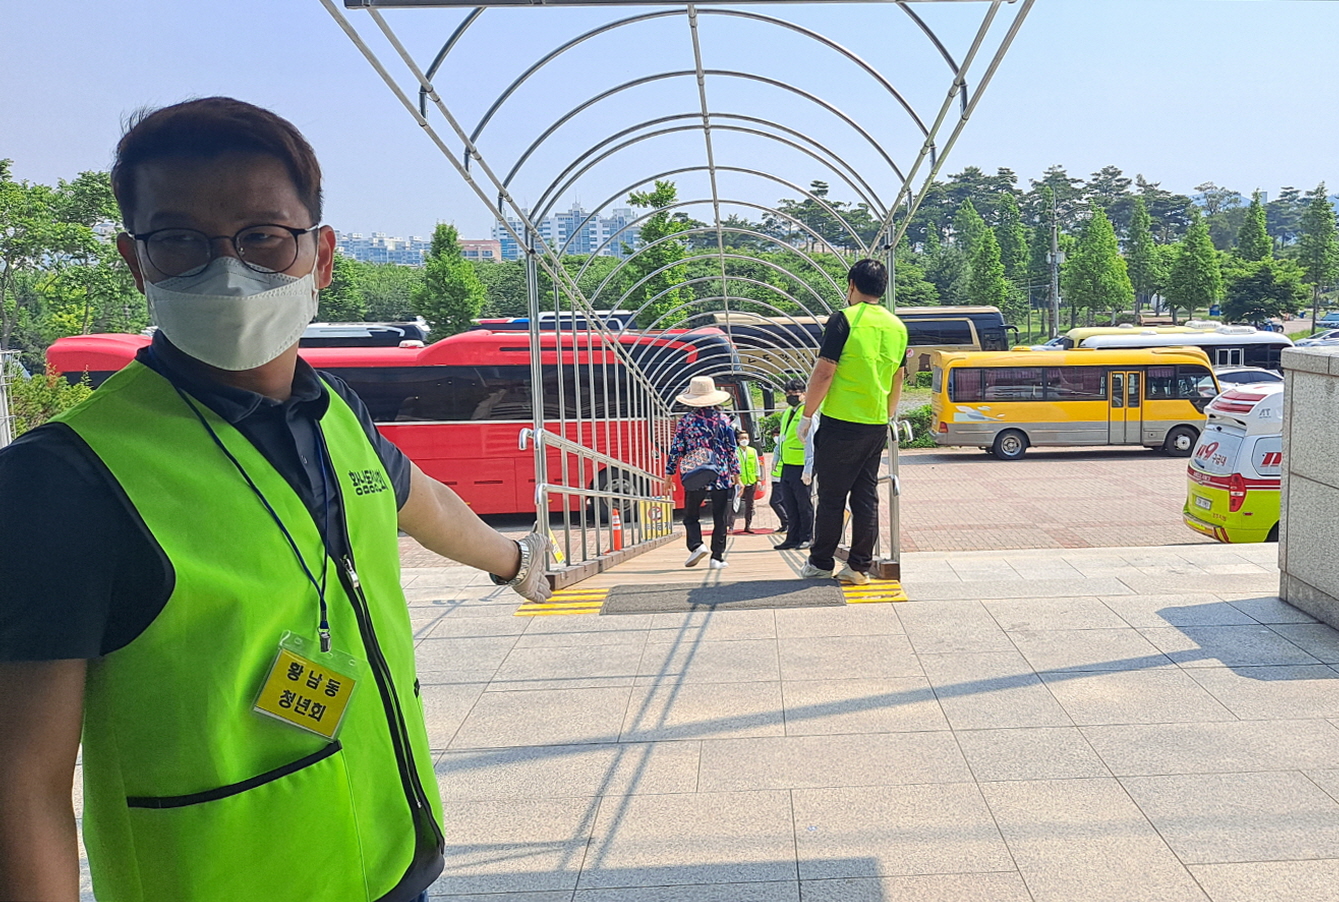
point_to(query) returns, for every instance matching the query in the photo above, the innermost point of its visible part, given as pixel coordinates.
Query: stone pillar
(1309, 516)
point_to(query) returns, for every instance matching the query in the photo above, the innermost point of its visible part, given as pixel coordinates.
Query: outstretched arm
(41, 713)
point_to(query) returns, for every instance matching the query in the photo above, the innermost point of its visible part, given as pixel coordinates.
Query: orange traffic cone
(616, 527)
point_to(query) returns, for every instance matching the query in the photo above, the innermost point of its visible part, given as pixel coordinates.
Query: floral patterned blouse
(709, 428)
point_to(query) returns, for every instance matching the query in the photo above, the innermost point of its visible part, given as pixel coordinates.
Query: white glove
(802, 429)
(532, 582)
(807, 478)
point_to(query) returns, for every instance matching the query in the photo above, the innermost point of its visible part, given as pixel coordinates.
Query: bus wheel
(1273, 534)
(611, 480)
(1010, 445)
(1180, 441)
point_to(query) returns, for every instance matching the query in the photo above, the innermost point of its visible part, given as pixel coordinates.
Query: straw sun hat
(702, 392)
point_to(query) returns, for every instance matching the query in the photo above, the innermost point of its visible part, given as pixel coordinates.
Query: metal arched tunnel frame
(602, 395)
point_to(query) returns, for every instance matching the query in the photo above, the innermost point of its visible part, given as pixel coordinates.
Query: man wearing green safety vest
(856, 383)
(199, 570)
(749, 479)
(795, 450)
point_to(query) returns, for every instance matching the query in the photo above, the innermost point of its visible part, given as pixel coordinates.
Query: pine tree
(1253, 242)
(451, 295)
(1195, 279)
(1095, 275)
(1318, 248)
(1141, 256)
(987, 285)
(968, 227)
(1013, 242)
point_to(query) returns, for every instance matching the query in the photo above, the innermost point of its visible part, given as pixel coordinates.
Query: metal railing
(9, 369)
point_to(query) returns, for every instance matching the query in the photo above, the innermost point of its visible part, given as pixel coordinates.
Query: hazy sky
(1184, 91)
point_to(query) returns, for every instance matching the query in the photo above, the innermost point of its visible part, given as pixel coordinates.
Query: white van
(1237, 465)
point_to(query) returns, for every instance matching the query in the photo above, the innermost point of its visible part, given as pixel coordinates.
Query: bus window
(1184, 382)
(1013, 383)
(1076, 383)
(1132, 395)
(939, 332)
(964, 384)
(1227, 356)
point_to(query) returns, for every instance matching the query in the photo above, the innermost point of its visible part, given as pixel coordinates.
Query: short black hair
(210, 127)
(870, 278)
(793, 385)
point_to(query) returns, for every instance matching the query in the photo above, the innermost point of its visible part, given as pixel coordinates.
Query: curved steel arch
(570, 177)
(756, 172)
(683, 73)
(752, 233)
(693, 258)
(480, 176)
(645, 17)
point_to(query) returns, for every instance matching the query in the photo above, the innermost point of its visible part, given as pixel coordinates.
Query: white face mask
(230, 316)
(744, 442)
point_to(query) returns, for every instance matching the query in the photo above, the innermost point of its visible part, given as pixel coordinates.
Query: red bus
(457, 407)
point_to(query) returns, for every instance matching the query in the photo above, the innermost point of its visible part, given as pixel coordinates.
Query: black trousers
(746, 494)
(846, 463)
(720, 517)
(778, 506)
(795, 495)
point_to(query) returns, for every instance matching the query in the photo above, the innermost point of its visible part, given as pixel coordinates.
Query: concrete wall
(1309, 526)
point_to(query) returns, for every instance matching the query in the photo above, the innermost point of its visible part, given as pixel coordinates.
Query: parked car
(1244, 375)
(1330, 319)
(1330, 335)
(1234, 474)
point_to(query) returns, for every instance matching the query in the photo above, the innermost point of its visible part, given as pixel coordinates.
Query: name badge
(308, 688)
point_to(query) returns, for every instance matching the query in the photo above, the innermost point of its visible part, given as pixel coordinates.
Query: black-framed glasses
(184, 252)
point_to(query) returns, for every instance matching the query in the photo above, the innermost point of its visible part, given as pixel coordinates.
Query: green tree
(1013, 241)
(968, 228)
(1195, 279)
(1318, 247)
(388, 290)
(1253, 242)
(1262, 289)
(946, 269)
(1141, 256)
(655, 254)
(987, 284)
(1095, 276)
(34, 400)
(451, 294)
(342, 301)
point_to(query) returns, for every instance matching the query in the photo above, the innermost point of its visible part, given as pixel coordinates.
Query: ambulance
(1236, 466)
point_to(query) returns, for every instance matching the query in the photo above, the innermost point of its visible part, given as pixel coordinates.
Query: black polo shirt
(80, 574)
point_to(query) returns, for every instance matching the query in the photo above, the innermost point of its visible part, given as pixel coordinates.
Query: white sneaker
(696, 555)
(717, 565)
(812, 572)
(854, 577)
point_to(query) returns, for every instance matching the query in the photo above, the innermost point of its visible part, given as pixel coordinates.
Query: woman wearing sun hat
(703, 448)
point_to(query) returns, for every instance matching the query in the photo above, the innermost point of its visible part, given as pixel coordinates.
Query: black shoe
(786, 546)
(805, 545)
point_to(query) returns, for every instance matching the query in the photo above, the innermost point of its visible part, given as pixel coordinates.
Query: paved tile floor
(1042, 726)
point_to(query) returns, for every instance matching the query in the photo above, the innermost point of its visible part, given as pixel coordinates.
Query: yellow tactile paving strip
(589, 601)
(575, 600)
(876, 590)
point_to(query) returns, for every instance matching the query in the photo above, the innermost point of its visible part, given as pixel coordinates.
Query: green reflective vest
(792, 446)
(190, 794)
(868, 365)
(748, 464)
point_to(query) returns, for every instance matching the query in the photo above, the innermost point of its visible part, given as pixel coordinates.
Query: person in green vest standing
(750, 474)
(856, 383)
(777, 503)
(200, 573)
(796, 453)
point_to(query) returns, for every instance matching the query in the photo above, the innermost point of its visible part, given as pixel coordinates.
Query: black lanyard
(323, 626)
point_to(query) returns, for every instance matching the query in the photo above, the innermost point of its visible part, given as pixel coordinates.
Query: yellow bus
(1075, 337)
(1005, 402)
